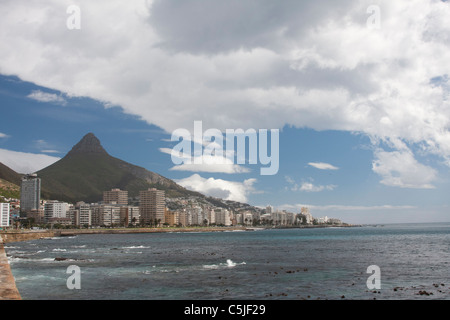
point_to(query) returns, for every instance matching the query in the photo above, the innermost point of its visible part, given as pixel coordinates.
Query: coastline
(26, 235)
(74, 232)
(8, 289)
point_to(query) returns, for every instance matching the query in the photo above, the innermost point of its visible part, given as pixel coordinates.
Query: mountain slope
(9, 175)
(88, 170)
(9, 182)
(9, 190)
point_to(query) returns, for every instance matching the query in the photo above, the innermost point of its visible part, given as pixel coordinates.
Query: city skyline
(116, 209)
(359, 92)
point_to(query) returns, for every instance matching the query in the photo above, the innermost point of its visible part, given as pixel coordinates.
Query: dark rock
(423, 292)
(60, 259)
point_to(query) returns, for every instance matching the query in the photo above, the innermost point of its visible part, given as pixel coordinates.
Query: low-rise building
(37, 216)
(106, 215)
(62, 221)
(334, 221)
(129, 215)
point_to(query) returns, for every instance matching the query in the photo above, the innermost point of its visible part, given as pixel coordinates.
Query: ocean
(271, 264)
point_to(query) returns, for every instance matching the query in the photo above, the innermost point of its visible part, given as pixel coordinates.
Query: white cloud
(322, 166)
(212, 168)
(401, 169)
(206, 163)
(308, 186)
(44, 146)
(228, 190)
(50, 151)
(3, 135)
(289, 179)
(47, 97)
(22, 162)
(297, 63)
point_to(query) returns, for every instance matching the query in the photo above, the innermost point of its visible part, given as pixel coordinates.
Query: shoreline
(27, 235)
(74, 232)
(8, 289)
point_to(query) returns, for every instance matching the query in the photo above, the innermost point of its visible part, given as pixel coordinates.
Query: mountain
(88, 170)
(9, 175)
(9, 182)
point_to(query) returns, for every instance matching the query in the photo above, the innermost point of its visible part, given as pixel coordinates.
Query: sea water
(325, 263)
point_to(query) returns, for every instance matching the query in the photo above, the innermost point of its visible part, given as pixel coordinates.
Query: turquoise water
(327, 263)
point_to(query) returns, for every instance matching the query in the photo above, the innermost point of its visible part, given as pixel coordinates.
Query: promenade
(8, 289)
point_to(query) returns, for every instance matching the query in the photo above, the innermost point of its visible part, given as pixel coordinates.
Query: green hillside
(9, 190)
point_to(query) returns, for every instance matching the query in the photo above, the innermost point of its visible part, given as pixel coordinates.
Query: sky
(359, 91)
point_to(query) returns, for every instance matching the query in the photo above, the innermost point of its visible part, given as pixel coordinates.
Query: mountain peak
(88, 170)
(88, 144)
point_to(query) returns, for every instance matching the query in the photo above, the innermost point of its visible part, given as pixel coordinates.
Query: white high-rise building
(211, 216)
(223, 217)
(55, 209)
(307, 215)
(81, 214)
(247, 218)
(4, 214)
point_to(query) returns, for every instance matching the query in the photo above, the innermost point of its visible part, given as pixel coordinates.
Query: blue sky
(360, 97)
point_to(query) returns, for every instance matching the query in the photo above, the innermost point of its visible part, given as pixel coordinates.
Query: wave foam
(229, 264)
(136, 247)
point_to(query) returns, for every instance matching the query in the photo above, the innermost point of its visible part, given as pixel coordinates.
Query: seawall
(73, 232)
(15, 236)
(8, 289)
